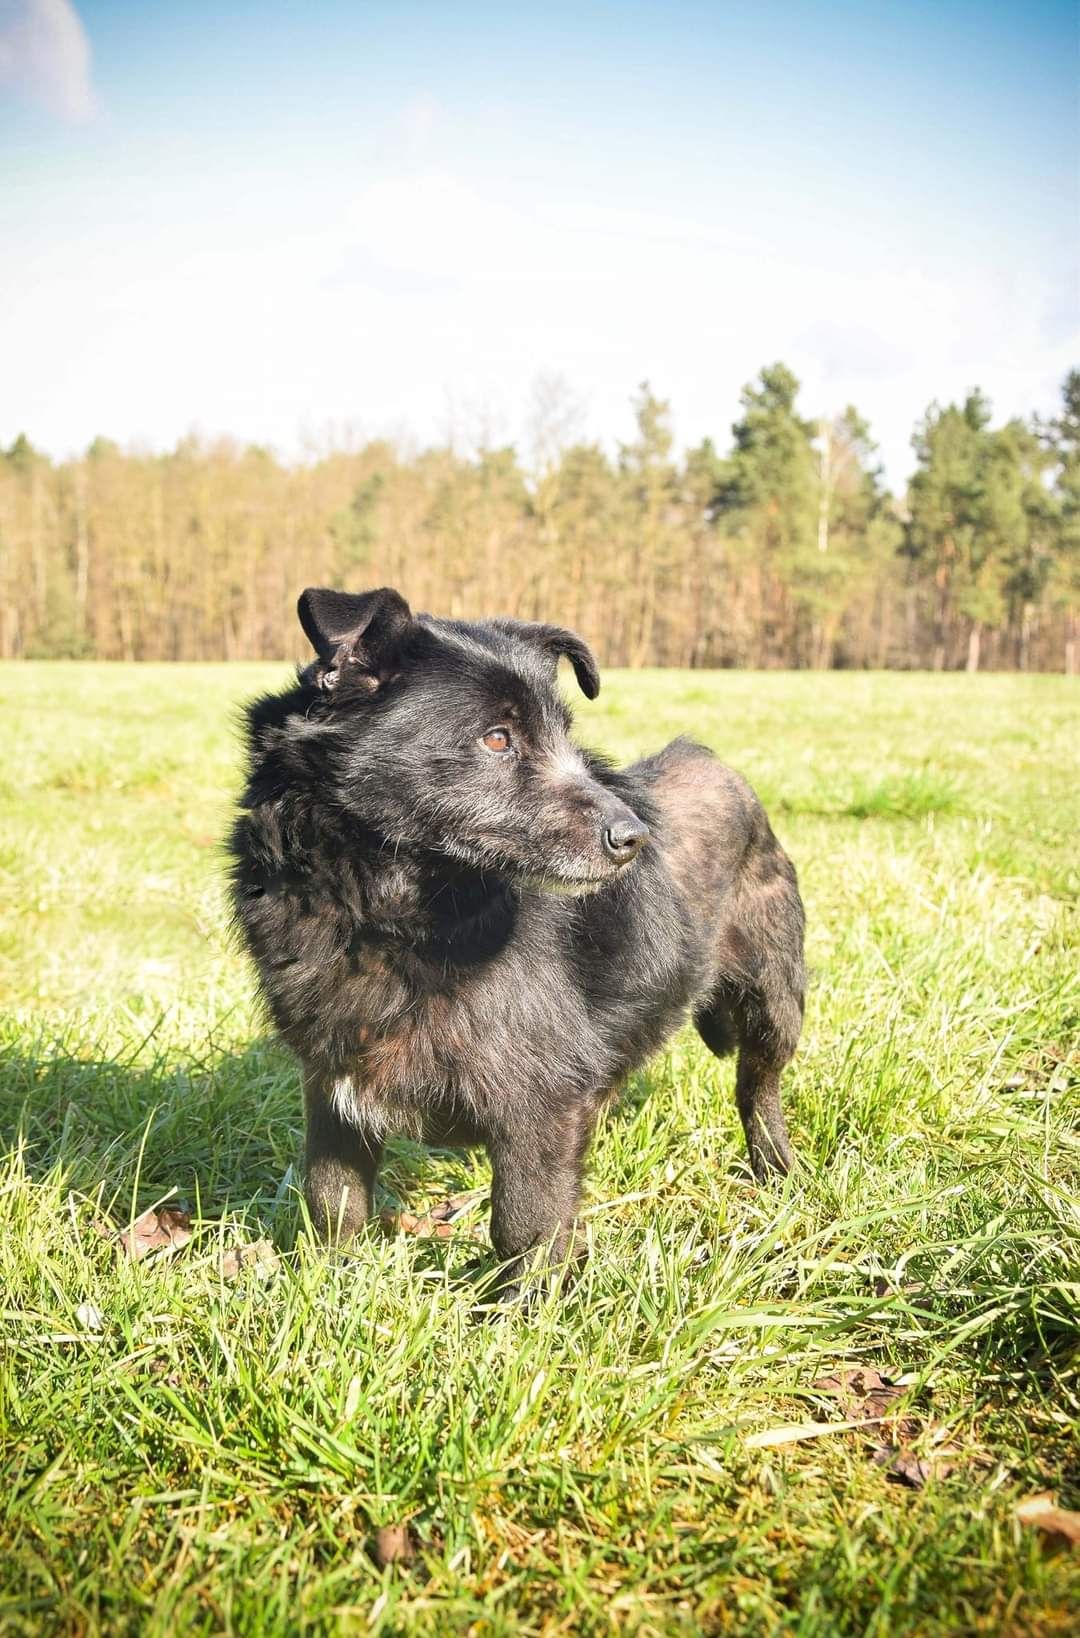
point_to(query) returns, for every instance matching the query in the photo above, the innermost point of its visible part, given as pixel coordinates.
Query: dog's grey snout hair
(623, 834)
(619, 834)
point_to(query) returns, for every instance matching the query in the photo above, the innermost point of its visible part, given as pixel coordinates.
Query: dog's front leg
(535, 1189)
(341, 1160)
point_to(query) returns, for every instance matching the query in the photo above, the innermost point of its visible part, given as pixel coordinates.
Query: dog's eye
(497, 740)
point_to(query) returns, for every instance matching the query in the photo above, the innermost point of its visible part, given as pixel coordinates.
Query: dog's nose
(623, 838)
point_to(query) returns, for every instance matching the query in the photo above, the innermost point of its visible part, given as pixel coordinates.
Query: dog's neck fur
(470, 914)
(431, 906)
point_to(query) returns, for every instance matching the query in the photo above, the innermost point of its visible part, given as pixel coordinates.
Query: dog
(470, 930)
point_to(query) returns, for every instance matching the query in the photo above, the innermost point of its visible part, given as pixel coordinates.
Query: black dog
(470, 930)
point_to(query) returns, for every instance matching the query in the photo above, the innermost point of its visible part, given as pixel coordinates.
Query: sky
(294, 224)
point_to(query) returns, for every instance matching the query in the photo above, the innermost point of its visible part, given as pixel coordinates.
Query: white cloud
(45, 55)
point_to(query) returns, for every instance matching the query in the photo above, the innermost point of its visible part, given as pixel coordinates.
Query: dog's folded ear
(360, 629)
(558, 641)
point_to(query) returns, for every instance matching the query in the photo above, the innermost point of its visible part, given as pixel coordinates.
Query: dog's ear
(558, 641)
(353, 629)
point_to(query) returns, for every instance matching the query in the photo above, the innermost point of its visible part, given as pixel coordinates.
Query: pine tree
(1064, 574)
(767, 497)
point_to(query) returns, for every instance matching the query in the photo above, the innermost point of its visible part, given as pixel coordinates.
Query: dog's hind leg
(341, 1160)
(764, 1027)
(757, 1004)
(762, 951)
(757, 1094)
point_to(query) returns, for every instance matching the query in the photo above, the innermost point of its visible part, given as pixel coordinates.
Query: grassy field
(187, 1448)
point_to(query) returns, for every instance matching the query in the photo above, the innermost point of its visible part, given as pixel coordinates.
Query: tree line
(785, 549)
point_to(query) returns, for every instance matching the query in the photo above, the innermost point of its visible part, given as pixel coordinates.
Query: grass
(218, 1454)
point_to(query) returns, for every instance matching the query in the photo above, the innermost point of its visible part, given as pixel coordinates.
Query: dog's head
(451, 737)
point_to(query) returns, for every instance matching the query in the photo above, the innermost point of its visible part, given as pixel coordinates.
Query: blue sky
(287, 222)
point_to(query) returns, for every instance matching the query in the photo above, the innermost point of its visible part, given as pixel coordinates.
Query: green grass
(218, 1456)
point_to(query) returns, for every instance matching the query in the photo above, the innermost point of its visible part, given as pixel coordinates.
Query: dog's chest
(421, 1055)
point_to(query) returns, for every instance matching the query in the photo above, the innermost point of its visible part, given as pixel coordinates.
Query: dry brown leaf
(907, 1288)
(863, 1394)
(259, 1255)
(861, 1390)
(395, 1544)
(166, 1229)
(915, 1471)
(436, 1224)
(457, 1205)
(425, 1228)
(1060, 1526)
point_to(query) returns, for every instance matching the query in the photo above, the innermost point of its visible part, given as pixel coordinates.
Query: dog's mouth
(569, 887)
(561, 872)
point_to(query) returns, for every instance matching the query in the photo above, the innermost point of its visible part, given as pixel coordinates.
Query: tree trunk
(884, 630)
(825, 492)
(82, 556)
(941, 627)
(974, 646)
(37, 552)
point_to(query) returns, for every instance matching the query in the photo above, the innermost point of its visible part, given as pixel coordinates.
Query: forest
(783, 549)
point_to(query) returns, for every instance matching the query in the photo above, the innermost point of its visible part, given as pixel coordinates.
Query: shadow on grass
(990, 1244)
(222, 1134)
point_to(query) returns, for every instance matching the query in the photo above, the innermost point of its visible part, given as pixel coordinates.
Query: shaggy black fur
(462, 925)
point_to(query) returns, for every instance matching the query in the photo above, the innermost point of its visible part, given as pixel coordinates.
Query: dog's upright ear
(361, 629)
(558, 641)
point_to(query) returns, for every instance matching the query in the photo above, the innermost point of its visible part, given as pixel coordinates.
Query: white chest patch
(366, 1110)
(344, 1102)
